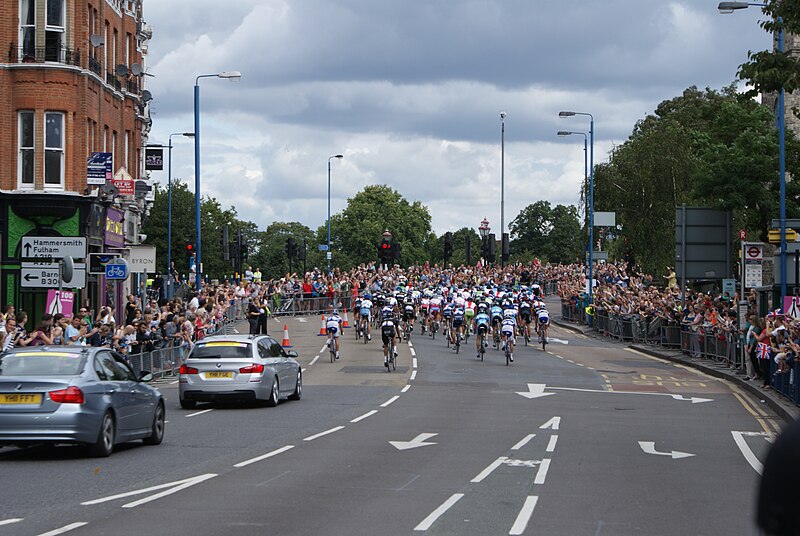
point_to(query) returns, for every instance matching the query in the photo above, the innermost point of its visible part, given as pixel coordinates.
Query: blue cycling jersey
(482, 318)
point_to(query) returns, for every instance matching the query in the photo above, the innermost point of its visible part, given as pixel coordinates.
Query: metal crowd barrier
(163, 362)
(786, 382)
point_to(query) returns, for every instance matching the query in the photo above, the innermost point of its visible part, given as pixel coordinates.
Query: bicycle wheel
(394, 358)
(483, 349)
(544, 340)
(332, 350)
(508, 353)
(458, 344)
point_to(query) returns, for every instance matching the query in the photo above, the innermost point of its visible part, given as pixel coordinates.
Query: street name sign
(48, 275)
(56, 247)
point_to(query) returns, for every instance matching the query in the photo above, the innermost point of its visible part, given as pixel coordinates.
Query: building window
(27, 29)
(128, 50)
(53, 149)
(25, 129)
(115, 44)
(105, 49)
(127, 146)
(55, 29)
(105, 139)
(114, 147)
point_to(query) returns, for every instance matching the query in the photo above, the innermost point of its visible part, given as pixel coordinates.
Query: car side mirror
(292, 353)
(145, 376)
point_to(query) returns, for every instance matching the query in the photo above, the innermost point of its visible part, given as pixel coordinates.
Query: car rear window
(217, 350)
(42, 364)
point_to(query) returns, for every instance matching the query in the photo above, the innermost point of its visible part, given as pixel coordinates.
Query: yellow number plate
(20, 398)
(219, 374)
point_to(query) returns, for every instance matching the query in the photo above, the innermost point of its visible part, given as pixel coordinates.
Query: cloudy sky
(410, 92)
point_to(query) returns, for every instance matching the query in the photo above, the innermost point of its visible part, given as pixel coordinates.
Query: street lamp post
(502, 178)
(591, 195)
(328, 253)
(169, 213)
(230, 75)
(585, 161)
(483, 231)
(730, 7)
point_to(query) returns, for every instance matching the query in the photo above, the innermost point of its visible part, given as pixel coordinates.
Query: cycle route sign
(117, 269)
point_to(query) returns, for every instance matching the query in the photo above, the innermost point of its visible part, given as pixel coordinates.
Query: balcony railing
(63, 55)
(95, 66)
(132, 86)
(112, 80)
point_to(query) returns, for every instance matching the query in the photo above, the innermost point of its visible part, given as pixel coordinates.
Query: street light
(730, 7)
(169, 212)
(591, 195)
(502, 178)
(483, 231)
(585, 158)
(229, 75)
(328, 254)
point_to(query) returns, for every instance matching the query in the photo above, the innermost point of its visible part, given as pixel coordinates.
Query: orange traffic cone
(322, 331)
(286, 343)
(345, 324)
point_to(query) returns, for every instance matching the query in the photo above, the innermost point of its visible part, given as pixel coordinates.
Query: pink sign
(60, 303)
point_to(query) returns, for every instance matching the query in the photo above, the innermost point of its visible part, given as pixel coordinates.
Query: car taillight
(187, 370)
(252, 369)
(70, 395)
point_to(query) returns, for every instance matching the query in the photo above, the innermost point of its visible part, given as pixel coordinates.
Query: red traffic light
(189, 247)
(385, 246)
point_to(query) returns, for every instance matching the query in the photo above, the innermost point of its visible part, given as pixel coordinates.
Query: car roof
(59, 349)
(234, 338)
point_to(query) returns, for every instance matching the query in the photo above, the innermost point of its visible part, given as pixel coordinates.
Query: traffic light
(301, 251)
(189, 247)
(226, 252)
(492, 248)
(291, 248)
(505, 252)
(448, 246)
(385, 250)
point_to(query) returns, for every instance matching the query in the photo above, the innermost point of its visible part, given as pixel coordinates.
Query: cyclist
(333, 325)
(435, 310)
(537, 290)
(423, 307)
(357, 309)
(496, 314)
(388, 332)
(409, 313)
(508, 330)
(469, 312)
(365, 315)
(525, 308)
(543, 321)
(447, 315)
(458, 325)
(482, 326)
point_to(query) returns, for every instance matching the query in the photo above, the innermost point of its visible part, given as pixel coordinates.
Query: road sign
(56, 247)
(328, 255)
(117, 269)
(742, 234)
(323, 247)
(754, 253)
(48, 275)
(98, 261)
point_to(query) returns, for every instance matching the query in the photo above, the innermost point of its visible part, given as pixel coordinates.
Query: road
(586, 438)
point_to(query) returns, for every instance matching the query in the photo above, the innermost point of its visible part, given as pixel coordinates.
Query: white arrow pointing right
(649, 447)
(418, 441)
(535, 390)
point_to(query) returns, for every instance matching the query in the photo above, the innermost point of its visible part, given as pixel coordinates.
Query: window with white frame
(55, 30)
(27, 29)
(105, 139)
(53, 149)
(127, 146)
(105, 48)
(25, 141)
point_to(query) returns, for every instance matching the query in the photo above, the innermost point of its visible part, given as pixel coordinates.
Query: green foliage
(459, 247)
(549, 233)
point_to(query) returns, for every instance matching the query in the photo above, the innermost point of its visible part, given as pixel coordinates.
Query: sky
(410, 92)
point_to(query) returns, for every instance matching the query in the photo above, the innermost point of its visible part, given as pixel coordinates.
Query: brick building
(71, 84)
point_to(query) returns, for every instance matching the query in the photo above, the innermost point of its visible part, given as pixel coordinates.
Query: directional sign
(48, 275)
(56, 247)
(419, 441)
(117, 269)
(649, 447)
(322, 247)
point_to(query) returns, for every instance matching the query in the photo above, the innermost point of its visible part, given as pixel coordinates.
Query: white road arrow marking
(419, 441)
(175, 487)
(535, 390)
(552, 424)
(559, 341)
(649, 447)
(694, 399)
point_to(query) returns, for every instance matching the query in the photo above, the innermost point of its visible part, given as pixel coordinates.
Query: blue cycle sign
(117, 269)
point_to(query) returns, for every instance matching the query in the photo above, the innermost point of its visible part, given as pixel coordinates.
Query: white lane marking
(523, 442)
(301, 320)
(313, 360)
(413, 375)
(173, 383)
(62, 530)
(580, 364)
(413, 352)
(491, 467)
(552, 423)
(649, 447)
(524, 515)
(326, 432)
(395, 397)
(323, 348)
(541, 474)
(303, 370)
(410, 344)
(414, 363)
(406, 388)
(264, 456)
(551, 446)
(426, 523)
(11, 521)
(559, 341)
(200, 412)
(570, 361)
(176, 486)
(747, 452)
(367, 414)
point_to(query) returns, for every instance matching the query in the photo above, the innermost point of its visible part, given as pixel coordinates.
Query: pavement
(777, 402)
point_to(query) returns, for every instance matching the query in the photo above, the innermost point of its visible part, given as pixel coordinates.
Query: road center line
(395, 397)
(491, 467)
(264, 456)
(11, 521)
(524, 515)
(173, 383)
(426, 523)
(551, 446)
(200, 412)
(367, 414)
(541, 474)
(326, 432)
(313, 360)
(64, 529)
(523, 442)
(414, 363)
(406, 388)
(413, 375)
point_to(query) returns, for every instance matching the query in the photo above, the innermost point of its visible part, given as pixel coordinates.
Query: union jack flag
(763, 351)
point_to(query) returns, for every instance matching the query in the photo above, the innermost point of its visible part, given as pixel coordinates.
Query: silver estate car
(75, 394)
(239, 367)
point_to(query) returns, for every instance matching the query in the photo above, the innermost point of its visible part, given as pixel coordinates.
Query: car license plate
(216, 374)
(20, 398)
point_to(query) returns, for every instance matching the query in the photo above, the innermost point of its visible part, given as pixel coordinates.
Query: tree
(459, 257)
(549, 233)
(271, 244)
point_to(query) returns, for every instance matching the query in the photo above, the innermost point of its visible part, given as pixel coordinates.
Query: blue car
(77, 395)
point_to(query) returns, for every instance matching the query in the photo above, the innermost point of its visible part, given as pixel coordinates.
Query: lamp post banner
(154, 159)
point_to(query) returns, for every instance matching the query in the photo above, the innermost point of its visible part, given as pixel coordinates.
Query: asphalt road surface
(588, 438)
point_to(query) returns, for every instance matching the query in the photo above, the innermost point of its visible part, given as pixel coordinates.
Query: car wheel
(298, 388)
(157, 435)
(274, 395)
(188, 404)
(104, 445)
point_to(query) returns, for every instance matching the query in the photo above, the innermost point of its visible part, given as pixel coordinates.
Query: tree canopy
(549, 233)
